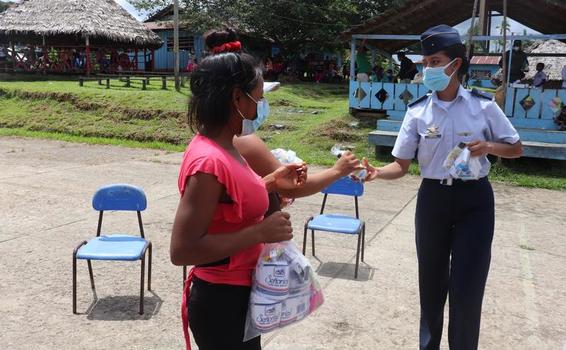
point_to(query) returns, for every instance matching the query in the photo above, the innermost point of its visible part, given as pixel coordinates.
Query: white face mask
(250, 126)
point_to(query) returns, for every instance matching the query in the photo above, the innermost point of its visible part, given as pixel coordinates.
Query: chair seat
(113, 247)
(335, 223)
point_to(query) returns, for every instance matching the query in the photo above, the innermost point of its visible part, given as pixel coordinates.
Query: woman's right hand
(347, 164)
(275, 228)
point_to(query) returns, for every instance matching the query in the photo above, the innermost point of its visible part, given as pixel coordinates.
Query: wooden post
(145, 59)
(128, 81)
(483, 21)
(87, 53)
(504, 68)
(164, 82)
(81, 81)
(176, 43)
(143, 84)
(353, 59)
(14, 56)
(108, 83)
(152, 60)
(136, 59)
(43, 54)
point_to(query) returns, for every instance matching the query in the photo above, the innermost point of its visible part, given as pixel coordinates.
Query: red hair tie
(228, 47)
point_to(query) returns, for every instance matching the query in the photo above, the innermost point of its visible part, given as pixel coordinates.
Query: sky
(125, 4)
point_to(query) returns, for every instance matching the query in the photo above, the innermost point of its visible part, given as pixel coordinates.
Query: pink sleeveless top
(250, 202)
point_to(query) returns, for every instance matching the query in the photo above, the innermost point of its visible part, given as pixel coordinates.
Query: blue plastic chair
(123, 247)
(339, 223)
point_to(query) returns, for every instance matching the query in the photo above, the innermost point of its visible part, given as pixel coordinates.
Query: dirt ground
(45, 211)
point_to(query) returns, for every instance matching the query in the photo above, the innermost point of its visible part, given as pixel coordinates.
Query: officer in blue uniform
(454, 218)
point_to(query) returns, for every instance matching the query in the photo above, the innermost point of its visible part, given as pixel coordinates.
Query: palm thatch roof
(104, 22)
(552, 65)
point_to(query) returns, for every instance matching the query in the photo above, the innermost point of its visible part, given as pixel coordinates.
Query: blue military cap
(438, 38)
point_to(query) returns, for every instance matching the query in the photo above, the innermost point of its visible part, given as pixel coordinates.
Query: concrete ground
(45, 211)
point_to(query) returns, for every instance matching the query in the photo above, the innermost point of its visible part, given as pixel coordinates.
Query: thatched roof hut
(103, 22)
(552, 65)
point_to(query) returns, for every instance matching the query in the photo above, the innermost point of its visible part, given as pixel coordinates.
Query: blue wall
(164, 60)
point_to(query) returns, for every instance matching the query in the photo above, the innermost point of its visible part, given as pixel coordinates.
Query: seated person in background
(389, 77)
(560, 120)
(378, 73)
(407, 70)
(540, 77)
(418, 79)
(363, 64)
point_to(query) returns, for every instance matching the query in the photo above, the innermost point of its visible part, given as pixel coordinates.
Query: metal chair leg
(75, 276)
(142, 282)
(358, 253)
(312, 237)
(305, 240)
(91, 275)
(74, 282)
(149, 268)
(363, 239)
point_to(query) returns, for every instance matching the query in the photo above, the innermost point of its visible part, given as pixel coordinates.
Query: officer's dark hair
(458, 51)
(214, 80)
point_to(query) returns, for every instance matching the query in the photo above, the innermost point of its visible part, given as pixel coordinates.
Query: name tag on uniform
(432, 132)
(433, 136)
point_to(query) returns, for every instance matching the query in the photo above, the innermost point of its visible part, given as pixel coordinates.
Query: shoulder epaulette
(418, 100)
(481, 94)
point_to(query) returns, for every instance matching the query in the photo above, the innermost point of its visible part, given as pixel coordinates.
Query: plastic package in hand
(284, 290)
(465, 166)
(286, 157)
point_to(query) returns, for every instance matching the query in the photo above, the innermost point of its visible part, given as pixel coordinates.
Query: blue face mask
(250, 126)
(435, 78)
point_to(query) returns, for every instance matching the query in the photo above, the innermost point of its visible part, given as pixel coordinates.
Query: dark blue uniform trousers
(454, 230)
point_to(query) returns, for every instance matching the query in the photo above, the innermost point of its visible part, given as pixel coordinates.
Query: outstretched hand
(372, 172)
(287, 177)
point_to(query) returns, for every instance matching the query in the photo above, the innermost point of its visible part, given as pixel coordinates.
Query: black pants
(454, 230)
(217, 316)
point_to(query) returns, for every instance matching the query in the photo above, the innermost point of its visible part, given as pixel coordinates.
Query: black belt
(224, 261)
(450, 181)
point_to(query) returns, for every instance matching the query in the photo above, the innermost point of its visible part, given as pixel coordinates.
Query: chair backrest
(119, 197)
(345, 186)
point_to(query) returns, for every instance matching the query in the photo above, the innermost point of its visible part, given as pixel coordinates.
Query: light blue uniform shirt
(435, 127)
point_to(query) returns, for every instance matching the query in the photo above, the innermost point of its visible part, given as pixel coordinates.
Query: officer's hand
(372, 172)
(479, 148)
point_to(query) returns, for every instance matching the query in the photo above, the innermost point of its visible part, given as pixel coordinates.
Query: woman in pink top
(219, 226)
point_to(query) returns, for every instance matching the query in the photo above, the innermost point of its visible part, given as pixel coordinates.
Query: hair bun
(225, 40)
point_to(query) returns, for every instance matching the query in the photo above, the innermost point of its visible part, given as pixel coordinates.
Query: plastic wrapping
(284, 290)
(465, 166)
(286, 157)
(358, 175)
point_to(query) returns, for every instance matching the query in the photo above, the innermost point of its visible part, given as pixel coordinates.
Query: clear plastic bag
(284, 290)
(286, 157)
(465, 166)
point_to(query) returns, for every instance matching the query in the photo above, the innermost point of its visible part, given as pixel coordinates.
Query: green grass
(314, 118)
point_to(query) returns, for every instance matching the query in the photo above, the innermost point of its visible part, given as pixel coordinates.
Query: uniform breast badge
(432, 132)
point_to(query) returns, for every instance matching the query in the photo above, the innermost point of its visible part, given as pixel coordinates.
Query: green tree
(294, 24)
(4, 6)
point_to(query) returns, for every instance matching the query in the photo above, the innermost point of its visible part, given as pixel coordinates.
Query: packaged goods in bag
(466, 167)
(284, 289)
